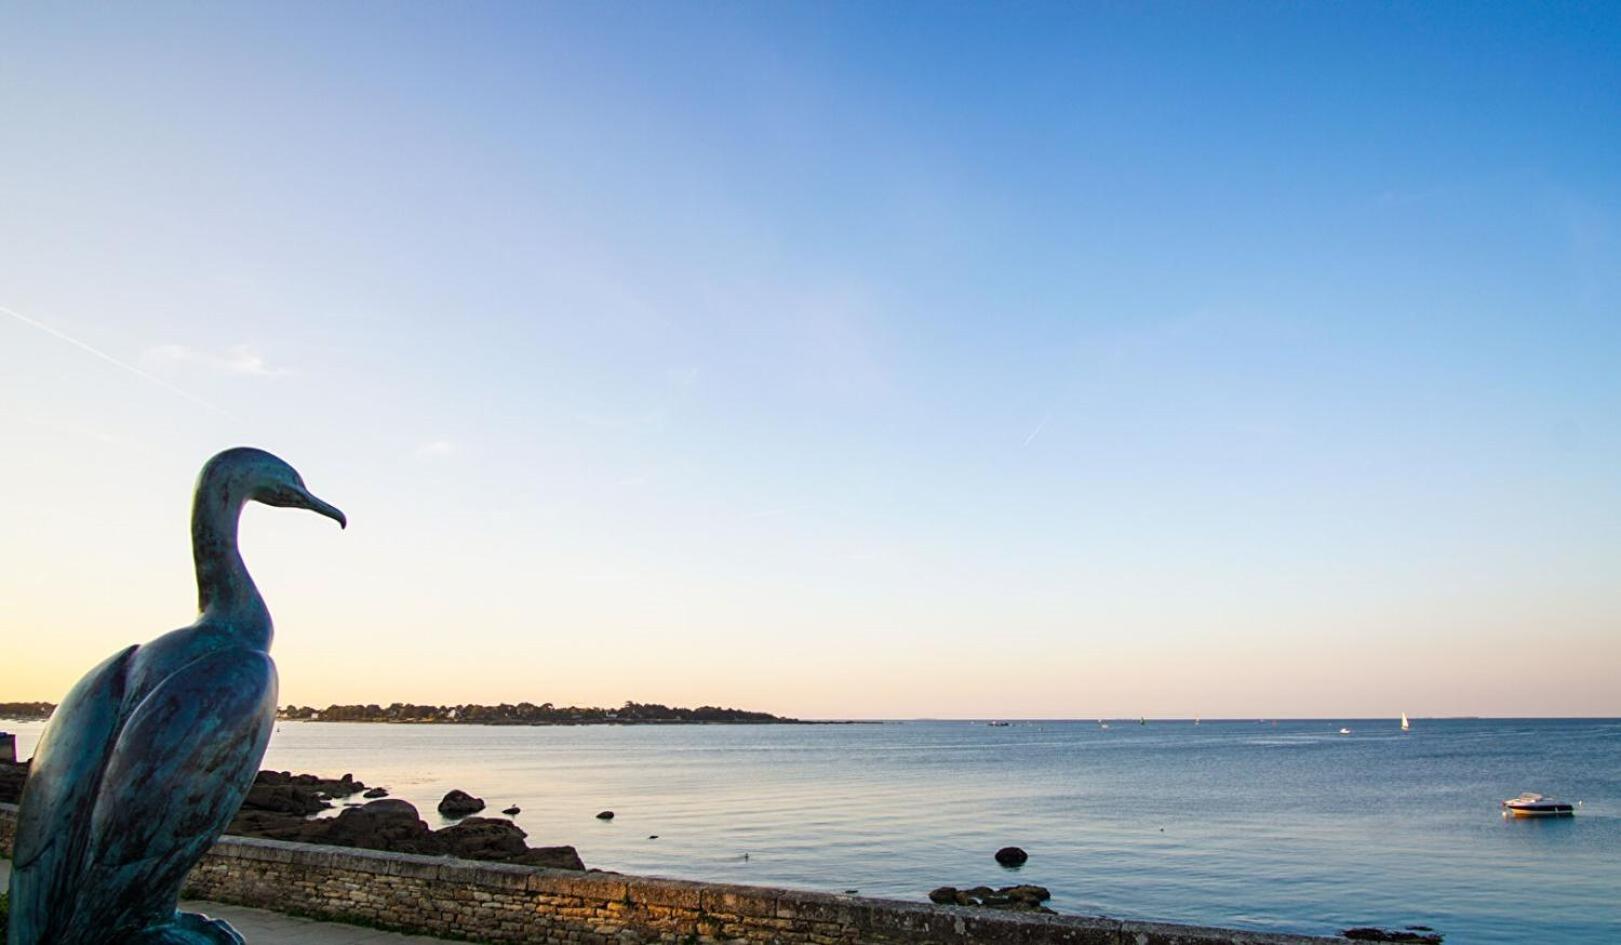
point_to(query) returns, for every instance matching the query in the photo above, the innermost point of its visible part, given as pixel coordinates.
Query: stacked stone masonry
(500, 903)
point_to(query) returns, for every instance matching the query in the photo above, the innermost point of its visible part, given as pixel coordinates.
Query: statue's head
(256, 475)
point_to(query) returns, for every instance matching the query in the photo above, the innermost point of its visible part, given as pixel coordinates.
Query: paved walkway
(261, 927)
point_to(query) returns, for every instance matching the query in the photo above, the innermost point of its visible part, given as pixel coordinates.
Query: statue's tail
(189, 928)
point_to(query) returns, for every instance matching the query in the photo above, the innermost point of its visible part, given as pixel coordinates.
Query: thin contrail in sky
(113, 361)
(1037, 431)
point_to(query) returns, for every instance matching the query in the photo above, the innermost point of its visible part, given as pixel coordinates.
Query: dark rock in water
(459, 803)
(652, 836)
(558, 858)
(606, 815)
(1033, 895)
(1011, 856)
(1413, 934)
(513, 811)
(375, 792)
(1010, 898)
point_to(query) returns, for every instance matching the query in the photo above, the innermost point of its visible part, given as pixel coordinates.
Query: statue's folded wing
(177, 775)
(63, 779)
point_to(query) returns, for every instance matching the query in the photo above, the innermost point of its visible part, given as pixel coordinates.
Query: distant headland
(524, 713)
(26, 711)
(527, 713)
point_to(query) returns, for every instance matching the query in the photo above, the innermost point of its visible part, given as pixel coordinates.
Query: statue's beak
(330, 511)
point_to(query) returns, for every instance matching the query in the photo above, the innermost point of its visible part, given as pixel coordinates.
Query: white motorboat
(1535, 805)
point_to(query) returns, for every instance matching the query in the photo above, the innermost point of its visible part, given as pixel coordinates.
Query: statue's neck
(225, 591)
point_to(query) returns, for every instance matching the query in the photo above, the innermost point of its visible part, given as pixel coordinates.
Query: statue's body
(150, 755)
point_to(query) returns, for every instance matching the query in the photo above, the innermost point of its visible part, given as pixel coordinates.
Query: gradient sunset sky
(835, 360)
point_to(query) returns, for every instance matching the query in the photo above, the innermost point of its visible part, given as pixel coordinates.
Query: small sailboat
(1345, 731)
(1102, 724)
(1406, 726)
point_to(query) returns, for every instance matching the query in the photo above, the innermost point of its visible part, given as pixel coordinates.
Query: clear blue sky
(831, 359)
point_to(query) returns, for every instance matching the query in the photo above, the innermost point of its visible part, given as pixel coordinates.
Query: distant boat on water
(1535, 805)
(1345, 731)
(997, 724)
(1406, 726)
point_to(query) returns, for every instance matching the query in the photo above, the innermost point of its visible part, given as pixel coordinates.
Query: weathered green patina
(150, 755)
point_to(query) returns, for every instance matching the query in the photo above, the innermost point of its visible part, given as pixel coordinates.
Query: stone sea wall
(497, 902)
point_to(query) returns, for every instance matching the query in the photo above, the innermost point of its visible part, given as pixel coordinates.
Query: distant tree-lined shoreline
(26, 711)
(524, 713)
(528, 713)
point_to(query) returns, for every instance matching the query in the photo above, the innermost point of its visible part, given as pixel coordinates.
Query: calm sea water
(1285, 826)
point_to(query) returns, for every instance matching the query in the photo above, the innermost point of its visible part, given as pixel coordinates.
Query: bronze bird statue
(150, 755)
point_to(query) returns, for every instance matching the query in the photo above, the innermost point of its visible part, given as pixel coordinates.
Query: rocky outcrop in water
(1011, 856)
(1412, 935)
(1011, 898)
(287, 793)
(394, 825)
